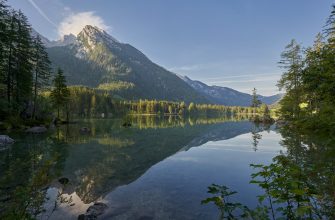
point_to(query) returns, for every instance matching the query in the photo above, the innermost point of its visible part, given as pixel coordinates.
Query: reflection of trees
(255, 136)
(107, 157)
(116, 155)
(299, 184)
(154, 121)
(25, 169)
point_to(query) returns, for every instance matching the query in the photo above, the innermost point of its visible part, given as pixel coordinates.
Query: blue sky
(233, 43)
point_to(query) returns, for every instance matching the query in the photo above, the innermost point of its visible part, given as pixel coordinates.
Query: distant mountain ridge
(94, 58)
(227, 96)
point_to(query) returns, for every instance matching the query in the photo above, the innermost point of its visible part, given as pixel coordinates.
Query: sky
(231, 43)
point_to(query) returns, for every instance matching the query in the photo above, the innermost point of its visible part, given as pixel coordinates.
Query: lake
(159, 168)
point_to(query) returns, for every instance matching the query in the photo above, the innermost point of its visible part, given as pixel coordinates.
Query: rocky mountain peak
(69, 39)
(93, 35)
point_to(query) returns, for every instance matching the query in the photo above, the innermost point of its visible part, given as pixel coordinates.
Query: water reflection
(298, 184)
(99, 161)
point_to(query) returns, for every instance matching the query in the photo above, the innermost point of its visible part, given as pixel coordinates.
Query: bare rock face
(5, 140)
(37, 130)
(93, 211)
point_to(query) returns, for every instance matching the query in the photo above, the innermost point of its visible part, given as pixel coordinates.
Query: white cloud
(75, 22)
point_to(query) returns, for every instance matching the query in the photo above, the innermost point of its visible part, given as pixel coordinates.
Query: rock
(281, 122)
(63, 180)
(37, 130)
(85, 130)
(93, 211)
(82, 217)
(145, 218)
(97, 209)
(126, 124)
(5, 140)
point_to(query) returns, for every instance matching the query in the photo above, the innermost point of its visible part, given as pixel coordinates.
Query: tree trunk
(35, 96)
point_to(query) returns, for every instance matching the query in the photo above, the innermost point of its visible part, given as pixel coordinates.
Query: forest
(33, 93)
(309, 82)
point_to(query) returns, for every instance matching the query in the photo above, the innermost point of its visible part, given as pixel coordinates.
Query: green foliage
(298, 184)
(291, 80)
(111, 63)
(60, 93)
(232, 210)
(116, 86)
(23, 179)
(222, 201)
(255, 102)
(309, 82)
(24, 65)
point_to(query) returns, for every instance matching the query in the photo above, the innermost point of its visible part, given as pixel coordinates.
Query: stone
(37, 130)
(63, 180)
(5, 140)
(97, 209)
(85, 130)
(93, 211)
(126, 124)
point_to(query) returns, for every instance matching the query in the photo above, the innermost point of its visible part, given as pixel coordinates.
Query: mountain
(227, 96)
(66, 40)
(94, 58)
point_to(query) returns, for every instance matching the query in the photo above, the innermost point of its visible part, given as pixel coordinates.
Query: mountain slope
(227, 96)
(96, 59)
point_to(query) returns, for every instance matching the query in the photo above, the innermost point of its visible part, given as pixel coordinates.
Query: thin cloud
(261, 79)
(75, 22)
(41, 12)
(241, 76)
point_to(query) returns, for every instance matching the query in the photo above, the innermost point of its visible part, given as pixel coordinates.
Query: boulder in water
(37, 130)
(85, 130)
(93, 211)
(63, 180)
(5, 140)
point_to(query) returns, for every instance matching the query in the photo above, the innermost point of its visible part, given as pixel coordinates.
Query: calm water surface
(156, 169)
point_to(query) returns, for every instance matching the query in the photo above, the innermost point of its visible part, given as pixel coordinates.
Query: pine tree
(255, 102)
(60, 93)
(291, 80)
(41, 69)
(4, 16)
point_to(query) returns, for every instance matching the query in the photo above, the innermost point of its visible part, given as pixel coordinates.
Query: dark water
(155, 169)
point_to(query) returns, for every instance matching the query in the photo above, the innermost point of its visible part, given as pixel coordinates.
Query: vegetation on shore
(309, 82)
(299, 183)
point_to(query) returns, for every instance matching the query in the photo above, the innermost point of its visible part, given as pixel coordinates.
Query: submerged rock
(126, 124)
(5, 140)
(93, 211)
(64, 180)
(37, 130)
(85, 130)
(97, 209)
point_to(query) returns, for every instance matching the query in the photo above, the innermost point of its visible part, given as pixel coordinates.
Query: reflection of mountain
(112, 156)
(220, 132)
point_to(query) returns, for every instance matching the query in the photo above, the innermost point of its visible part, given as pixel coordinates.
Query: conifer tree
(41, 69)
(291, 80)
(255, 102)
(60, 93)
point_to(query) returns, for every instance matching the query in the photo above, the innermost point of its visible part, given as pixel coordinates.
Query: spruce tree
(60, 93)
(291, 80)
(23, 70)
(255, 102)
(41, 69)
